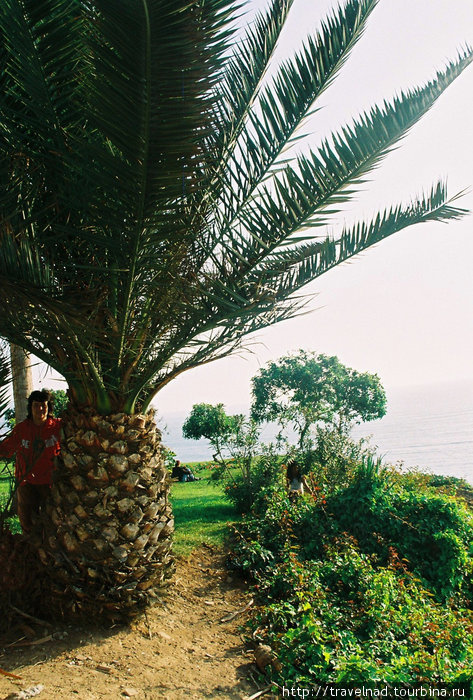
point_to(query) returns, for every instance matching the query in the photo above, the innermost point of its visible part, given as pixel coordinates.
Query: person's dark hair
(177, 463)
(293, 470)
(41, 396)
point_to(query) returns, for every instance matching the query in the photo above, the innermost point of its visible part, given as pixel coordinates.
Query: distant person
(36, 443)
(182, 473)
(296, 483)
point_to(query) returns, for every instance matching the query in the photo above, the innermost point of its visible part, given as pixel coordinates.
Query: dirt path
(180, 649)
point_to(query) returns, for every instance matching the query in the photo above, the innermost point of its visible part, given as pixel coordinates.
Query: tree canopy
(304, 389)
(151, 214)
(210, 422)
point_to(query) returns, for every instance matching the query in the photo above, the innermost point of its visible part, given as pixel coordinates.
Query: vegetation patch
(369, 584)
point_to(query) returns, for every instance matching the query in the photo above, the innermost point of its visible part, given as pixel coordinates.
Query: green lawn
(201, 514)
(5, 486)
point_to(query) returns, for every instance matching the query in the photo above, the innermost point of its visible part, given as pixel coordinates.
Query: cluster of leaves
(336, 457)
(370, 584)
(304, 389)
(432, 532)
(234, 439)
(263, 476)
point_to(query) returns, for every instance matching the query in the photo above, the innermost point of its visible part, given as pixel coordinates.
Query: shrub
(336, 457)
(344, 590)
(432, 531)
(343, 620)
(249, 489)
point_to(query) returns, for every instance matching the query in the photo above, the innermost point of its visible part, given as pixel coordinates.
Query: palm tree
(151, 220)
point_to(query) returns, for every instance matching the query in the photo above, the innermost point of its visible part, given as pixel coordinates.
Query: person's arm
(10, 444)
(306, 485)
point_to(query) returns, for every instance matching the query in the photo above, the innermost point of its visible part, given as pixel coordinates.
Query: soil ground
(179, 649)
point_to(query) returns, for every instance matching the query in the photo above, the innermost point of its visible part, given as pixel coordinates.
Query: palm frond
(305, 195)
(149, 218)
(286, 101)
(293, 269)
(243, 75)
(5, 377)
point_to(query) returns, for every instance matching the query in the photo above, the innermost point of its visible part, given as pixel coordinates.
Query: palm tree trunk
(106, 533)
(22, 380)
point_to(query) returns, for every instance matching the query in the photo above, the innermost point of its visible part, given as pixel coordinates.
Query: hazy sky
(405, 308)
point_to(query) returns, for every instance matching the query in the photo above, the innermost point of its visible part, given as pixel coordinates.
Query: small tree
(234, 437)
(209, 422)
(306, 389)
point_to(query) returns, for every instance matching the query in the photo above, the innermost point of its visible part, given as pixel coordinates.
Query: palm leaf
(149, 218)
(5, 377)
(283, 104)
(302, 195)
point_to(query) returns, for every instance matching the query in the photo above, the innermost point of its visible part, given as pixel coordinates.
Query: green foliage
(432, 532)
(155, 210)
(60, 401)
(371, 584)
(210, 422)
(263, 474)
(7, 485)
(335, 458)
(341, 620)
(235, 440)
(306, 389)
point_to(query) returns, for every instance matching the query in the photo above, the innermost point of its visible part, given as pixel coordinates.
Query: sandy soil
(179, 649)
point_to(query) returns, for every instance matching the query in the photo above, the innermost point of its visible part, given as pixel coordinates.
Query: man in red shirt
(35, 442)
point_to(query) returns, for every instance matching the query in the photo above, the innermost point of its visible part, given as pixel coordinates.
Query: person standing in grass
(36, 443)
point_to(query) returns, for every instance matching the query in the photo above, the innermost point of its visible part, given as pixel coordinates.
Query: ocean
(430, 427)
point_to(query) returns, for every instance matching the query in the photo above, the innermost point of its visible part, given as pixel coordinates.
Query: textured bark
(106, 534)
(22, 380)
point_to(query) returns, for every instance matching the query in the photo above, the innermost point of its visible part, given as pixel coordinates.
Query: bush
(433, 532)
(250, 489)
(336, 457)
(344, 589)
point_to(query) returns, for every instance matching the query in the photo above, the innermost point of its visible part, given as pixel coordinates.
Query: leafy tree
(233, 437)
(358, 397)
(305, 389)
(150, 220)
(212, 423)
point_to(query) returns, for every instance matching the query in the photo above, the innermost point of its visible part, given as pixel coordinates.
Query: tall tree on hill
(150, 220)
(303, 390)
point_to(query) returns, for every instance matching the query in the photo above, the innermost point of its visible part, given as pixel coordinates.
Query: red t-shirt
(35, 447)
